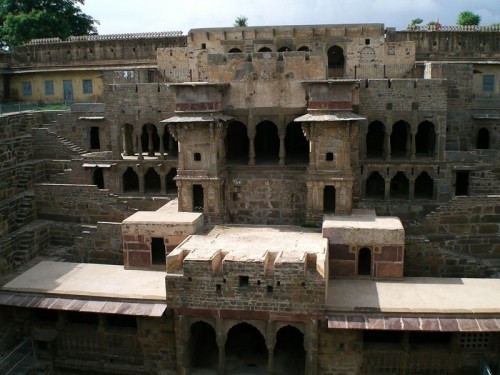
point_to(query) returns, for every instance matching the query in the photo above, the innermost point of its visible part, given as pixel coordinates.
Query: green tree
(414, 22)
(24, 20)
(241, 21)
(468, 18)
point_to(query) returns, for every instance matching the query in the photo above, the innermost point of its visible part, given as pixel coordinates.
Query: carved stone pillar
(408, 147)
(387, 145)
(282, 151)
(413, 146)
(162, 146)
(141, 182)
(124, 141)
(411, 181)
(221, 344)
(387, 190)
(151, 150)
(139, 146)
(251, 145)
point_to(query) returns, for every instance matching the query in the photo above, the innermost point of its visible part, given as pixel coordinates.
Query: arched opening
(284, 49)
(400, 186)
(296, 144)
(130, 181)
(400, 139)
(425, 139)
(289, 353)
(304, 49)
(329, 199)
(234, 50)
(150, 140)
(152, 181)
(364, 262)
(375, 186)
(336, 61)
(246, 350)
(98, 178)
(264, 49)
(203, 350)
(483, 139)
(375, 140)
(169, 143)
(267, 143)
(237, 143)
(95, 142)
(198, 199)
(170, 181)
(424, 186)
(127, 140)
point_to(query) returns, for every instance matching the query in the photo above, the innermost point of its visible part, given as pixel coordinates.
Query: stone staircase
(26, 212)
(70, 146)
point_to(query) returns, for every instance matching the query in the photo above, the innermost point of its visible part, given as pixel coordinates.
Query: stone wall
(259, 196)
(89, 52)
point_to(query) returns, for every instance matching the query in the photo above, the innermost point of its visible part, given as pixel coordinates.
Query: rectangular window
(488, 82)
(49, 88)
(27, 88)
(87, 86)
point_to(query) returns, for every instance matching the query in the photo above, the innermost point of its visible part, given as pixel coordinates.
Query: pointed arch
(152, 181)
(245, 348)
(203, 349)
(267, 142)
(483, 139)
(424, 186)
(375, 140)
(400, 186)
(150, 140)
(375, 186)
(289, 352)
(237, 143)
(425, 139)
(336, 62)
(400, 139)
(296, 144)
(130, 181)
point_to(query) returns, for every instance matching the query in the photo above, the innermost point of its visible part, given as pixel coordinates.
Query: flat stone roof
(90, 280)
(162, 217)
(420, 295)
(363, 227)
(248, 243)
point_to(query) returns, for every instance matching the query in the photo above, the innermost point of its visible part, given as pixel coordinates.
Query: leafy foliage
(467, 18)
(241, 21)
(414, 22)
(24, 20)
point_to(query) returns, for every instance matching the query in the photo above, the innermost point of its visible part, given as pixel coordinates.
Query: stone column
(413, 145)
(411, 182)
(270, 344)
(387, 145)
(282, 151)
(124, 141)
(387, 190)
(141, 182)
(408, 146)
(221, 344)
(163, 182)
(139, 146)
(149, 130)
(162, 146)
(311, 347)
(251, 145)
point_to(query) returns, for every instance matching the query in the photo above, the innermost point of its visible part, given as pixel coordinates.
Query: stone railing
(454, 28)
(97, 37)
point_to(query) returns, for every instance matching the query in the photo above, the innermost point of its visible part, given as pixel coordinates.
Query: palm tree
(241, 21)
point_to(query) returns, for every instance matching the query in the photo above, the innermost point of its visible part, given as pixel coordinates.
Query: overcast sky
(132, 16)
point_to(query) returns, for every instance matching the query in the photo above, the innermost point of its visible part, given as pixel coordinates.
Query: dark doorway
(237, 143)
(130, 181)
(364, 262)
(375, 186)
(424, 186)
(462, 183)
(425, 139)
(246, 350)
(289, 353)
(197, 198)
(400, 186)
(95, 143)
(336, 61)
(400, 138)
(171, 185)
(375, 140)
(267, 143)
(150, 140)
(98, 178)
(329, 199)
(152, 181)
(483, 139)
(203, 350)
(296, 144)
(158, 256)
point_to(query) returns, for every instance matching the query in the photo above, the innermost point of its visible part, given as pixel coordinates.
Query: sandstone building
(262, 200)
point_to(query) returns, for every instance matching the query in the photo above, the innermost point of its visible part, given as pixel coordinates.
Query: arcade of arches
(401, 141)
(149, 141)
(399, 186)
(149, 181)
(245, 349)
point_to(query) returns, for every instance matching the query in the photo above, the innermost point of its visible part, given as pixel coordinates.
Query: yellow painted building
(51, 86)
